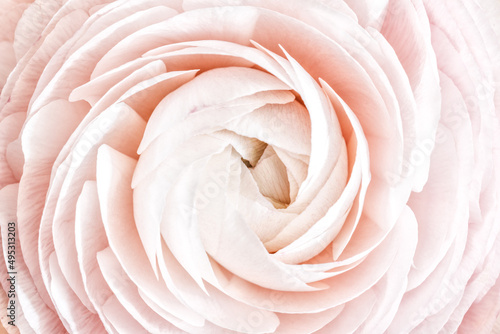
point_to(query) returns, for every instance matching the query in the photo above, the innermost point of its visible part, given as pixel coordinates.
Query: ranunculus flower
(250, 166)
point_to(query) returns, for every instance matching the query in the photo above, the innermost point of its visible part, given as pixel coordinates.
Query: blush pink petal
(415, 53)
(128, 294)
(106, 88)
(220, 229)
(114, 172)
(18, 92)
(40, 317)
(248, 55)
(232, 82)
(239, 100)
(288, 7)
(75, 316)
(362, 160)
(117, 94)
(249, 148)
(309, 216)
(370, 13)
(32, 24)
(273, 123)
(179, 228)
(307, 323)
(296, 170)
(15, 158)
(353, 314)
(448, 178)
(36, 175)
(255, 210)
(349, 285)
(327, 228)
(362, 196)
(478, 309)
(149, 211)
(10, 13)
(218, 308)
(391, 288)
(81, 167)
(90, 238)
(9, 132)
(91, 27)
(7, 61)
(155, 89)
(483, 315)
(166, 32)
(78, 66)
(124, 242)
(120, 319)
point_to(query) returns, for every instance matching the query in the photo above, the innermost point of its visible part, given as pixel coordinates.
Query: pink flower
(250, 166)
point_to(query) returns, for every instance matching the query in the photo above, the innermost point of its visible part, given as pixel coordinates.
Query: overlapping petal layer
(209, 166)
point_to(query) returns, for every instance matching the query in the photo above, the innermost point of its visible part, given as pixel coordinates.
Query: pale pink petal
(232, 82)
(247, 55)
(492, 10)
(438, 202)
(196, 55)
(128, 294)
(120, 319)
(32, 23)
(21, 85)
(7, 62)
(296, 170)
(115, 95)
(343, 288)
(178, 226)
(220, 229)
(44, 128)
(415, 53)
(15, 158)
(90, 238)
(370, 13)
(330, 193)
(73, 314)
(257, 212)
(28, 300)
(391, 288)
(250, 148)
(353, 314)
(275, 124)
(307, 322)
(288, 7)
(166, 32)
(481, 314)
(218, 308)
(78, 66)
(114, 174)
(108, 129)
(10, 13)
(10, 128)
(149, 211)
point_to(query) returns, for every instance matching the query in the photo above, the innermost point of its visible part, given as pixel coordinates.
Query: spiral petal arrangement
(219, 166)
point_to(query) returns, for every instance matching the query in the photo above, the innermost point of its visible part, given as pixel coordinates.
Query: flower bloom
(250, 166)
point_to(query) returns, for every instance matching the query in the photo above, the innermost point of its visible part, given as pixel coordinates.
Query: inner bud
(269, 172)
(271, 177)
